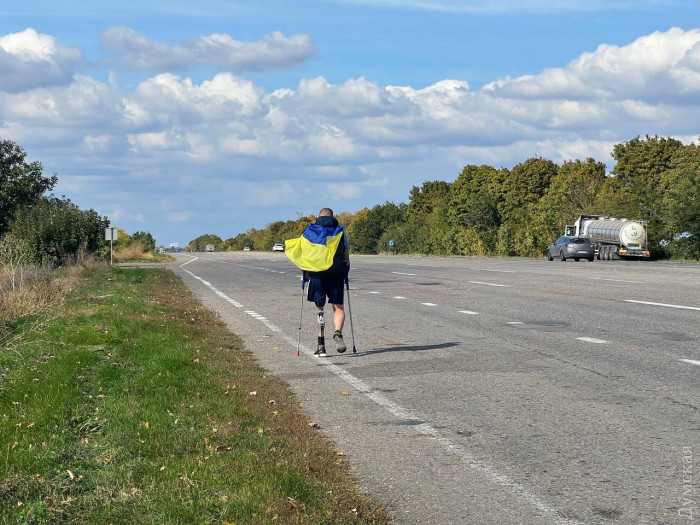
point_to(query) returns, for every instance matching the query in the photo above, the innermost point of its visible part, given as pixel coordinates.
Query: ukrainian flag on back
(314, 250)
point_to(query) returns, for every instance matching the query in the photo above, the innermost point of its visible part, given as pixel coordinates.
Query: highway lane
(491, 390)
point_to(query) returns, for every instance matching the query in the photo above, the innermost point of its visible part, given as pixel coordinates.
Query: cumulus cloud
(654, 68)
(227, 144)
(29, 59)
(218, 50)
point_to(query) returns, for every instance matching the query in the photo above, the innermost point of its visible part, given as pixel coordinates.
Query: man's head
(325, 212)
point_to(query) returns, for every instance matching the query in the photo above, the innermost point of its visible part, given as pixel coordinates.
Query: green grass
(135, 405)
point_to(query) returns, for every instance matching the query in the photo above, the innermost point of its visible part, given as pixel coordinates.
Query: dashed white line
(614, 280)
(592, 340)
(429, 304)
(398, 297)
(663, 304)
(403, 273)
(375, 293)
(490, 284)
(468, 312)
(515, 322)
(690, 362)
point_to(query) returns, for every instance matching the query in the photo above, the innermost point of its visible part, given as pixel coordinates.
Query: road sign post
(111, 235)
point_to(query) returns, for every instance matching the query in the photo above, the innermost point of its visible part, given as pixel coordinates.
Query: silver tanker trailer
(614, 238)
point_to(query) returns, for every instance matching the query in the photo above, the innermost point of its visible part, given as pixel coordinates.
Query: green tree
(145, 239)
(473, 210)
(200, 243)
(525, 185)
(55, 231)
(426, 212)
(22, 184)
(637, 186)
(681, 204)
(369, 225)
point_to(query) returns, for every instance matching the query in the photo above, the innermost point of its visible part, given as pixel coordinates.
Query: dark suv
(576, 248)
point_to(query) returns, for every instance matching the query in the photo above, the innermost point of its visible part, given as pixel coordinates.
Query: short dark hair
(327, 212)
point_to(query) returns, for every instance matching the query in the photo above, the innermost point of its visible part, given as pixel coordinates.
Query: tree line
(45, 230)
(488, 211)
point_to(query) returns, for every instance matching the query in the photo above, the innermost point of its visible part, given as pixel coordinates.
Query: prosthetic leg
(321, 351)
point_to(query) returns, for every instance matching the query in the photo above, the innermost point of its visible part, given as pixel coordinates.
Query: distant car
(575, 248)
(278, 247)
(246, 249)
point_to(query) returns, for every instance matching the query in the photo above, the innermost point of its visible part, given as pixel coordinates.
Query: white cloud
(180, 216)
(216, 50)
(29, 59)
(652, 68)
(209, 148)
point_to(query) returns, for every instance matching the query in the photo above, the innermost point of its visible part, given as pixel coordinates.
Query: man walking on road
(323, 252)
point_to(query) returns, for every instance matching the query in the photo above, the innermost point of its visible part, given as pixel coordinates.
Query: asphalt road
(491, 391)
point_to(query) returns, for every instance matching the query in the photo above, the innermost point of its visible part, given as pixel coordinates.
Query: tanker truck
(613, 238)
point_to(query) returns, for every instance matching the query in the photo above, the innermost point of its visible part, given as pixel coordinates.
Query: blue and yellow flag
(314, 250)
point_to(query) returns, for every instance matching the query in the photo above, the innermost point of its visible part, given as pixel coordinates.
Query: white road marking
(429, 304)
(663, 304)
(515, 322)
(398, 297)
(374, 292)
(690, 361)
(478, 463)
(468, 312)
(489, 284)
(402, 273)
(500, 271)
(591, 340)
(614, 280)
(188, 262)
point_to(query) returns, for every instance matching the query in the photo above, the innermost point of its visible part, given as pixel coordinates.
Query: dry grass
(27, 297)
(133, 252)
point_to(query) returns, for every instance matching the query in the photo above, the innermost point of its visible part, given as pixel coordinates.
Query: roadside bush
(55, 231)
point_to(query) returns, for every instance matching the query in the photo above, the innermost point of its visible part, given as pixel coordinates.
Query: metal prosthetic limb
(321, 327)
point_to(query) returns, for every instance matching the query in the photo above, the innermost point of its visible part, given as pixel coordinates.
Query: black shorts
(330, 286)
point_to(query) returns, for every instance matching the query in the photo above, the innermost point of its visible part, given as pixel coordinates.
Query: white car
(246, 249)
(279, 247)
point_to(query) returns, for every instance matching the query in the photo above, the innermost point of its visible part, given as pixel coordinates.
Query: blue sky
(185, 118)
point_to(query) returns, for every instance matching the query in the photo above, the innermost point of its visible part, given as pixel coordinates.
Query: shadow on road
(421, 348)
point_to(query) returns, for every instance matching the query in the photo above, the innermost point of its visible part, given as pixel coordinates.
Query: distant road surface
(491, 391)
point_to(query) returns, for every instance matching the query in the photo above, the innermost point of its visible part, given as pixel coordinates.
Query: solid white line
(663, 304)
(468, 312)
(690, 361)
(188, 262)
(402, 273)
(591, 340)
(614, 280)
(489, 284)
(429, 304)
(463, 453)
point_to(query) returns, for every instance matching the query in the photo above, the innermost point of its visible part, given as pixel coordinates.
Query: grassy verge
(136, 405)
